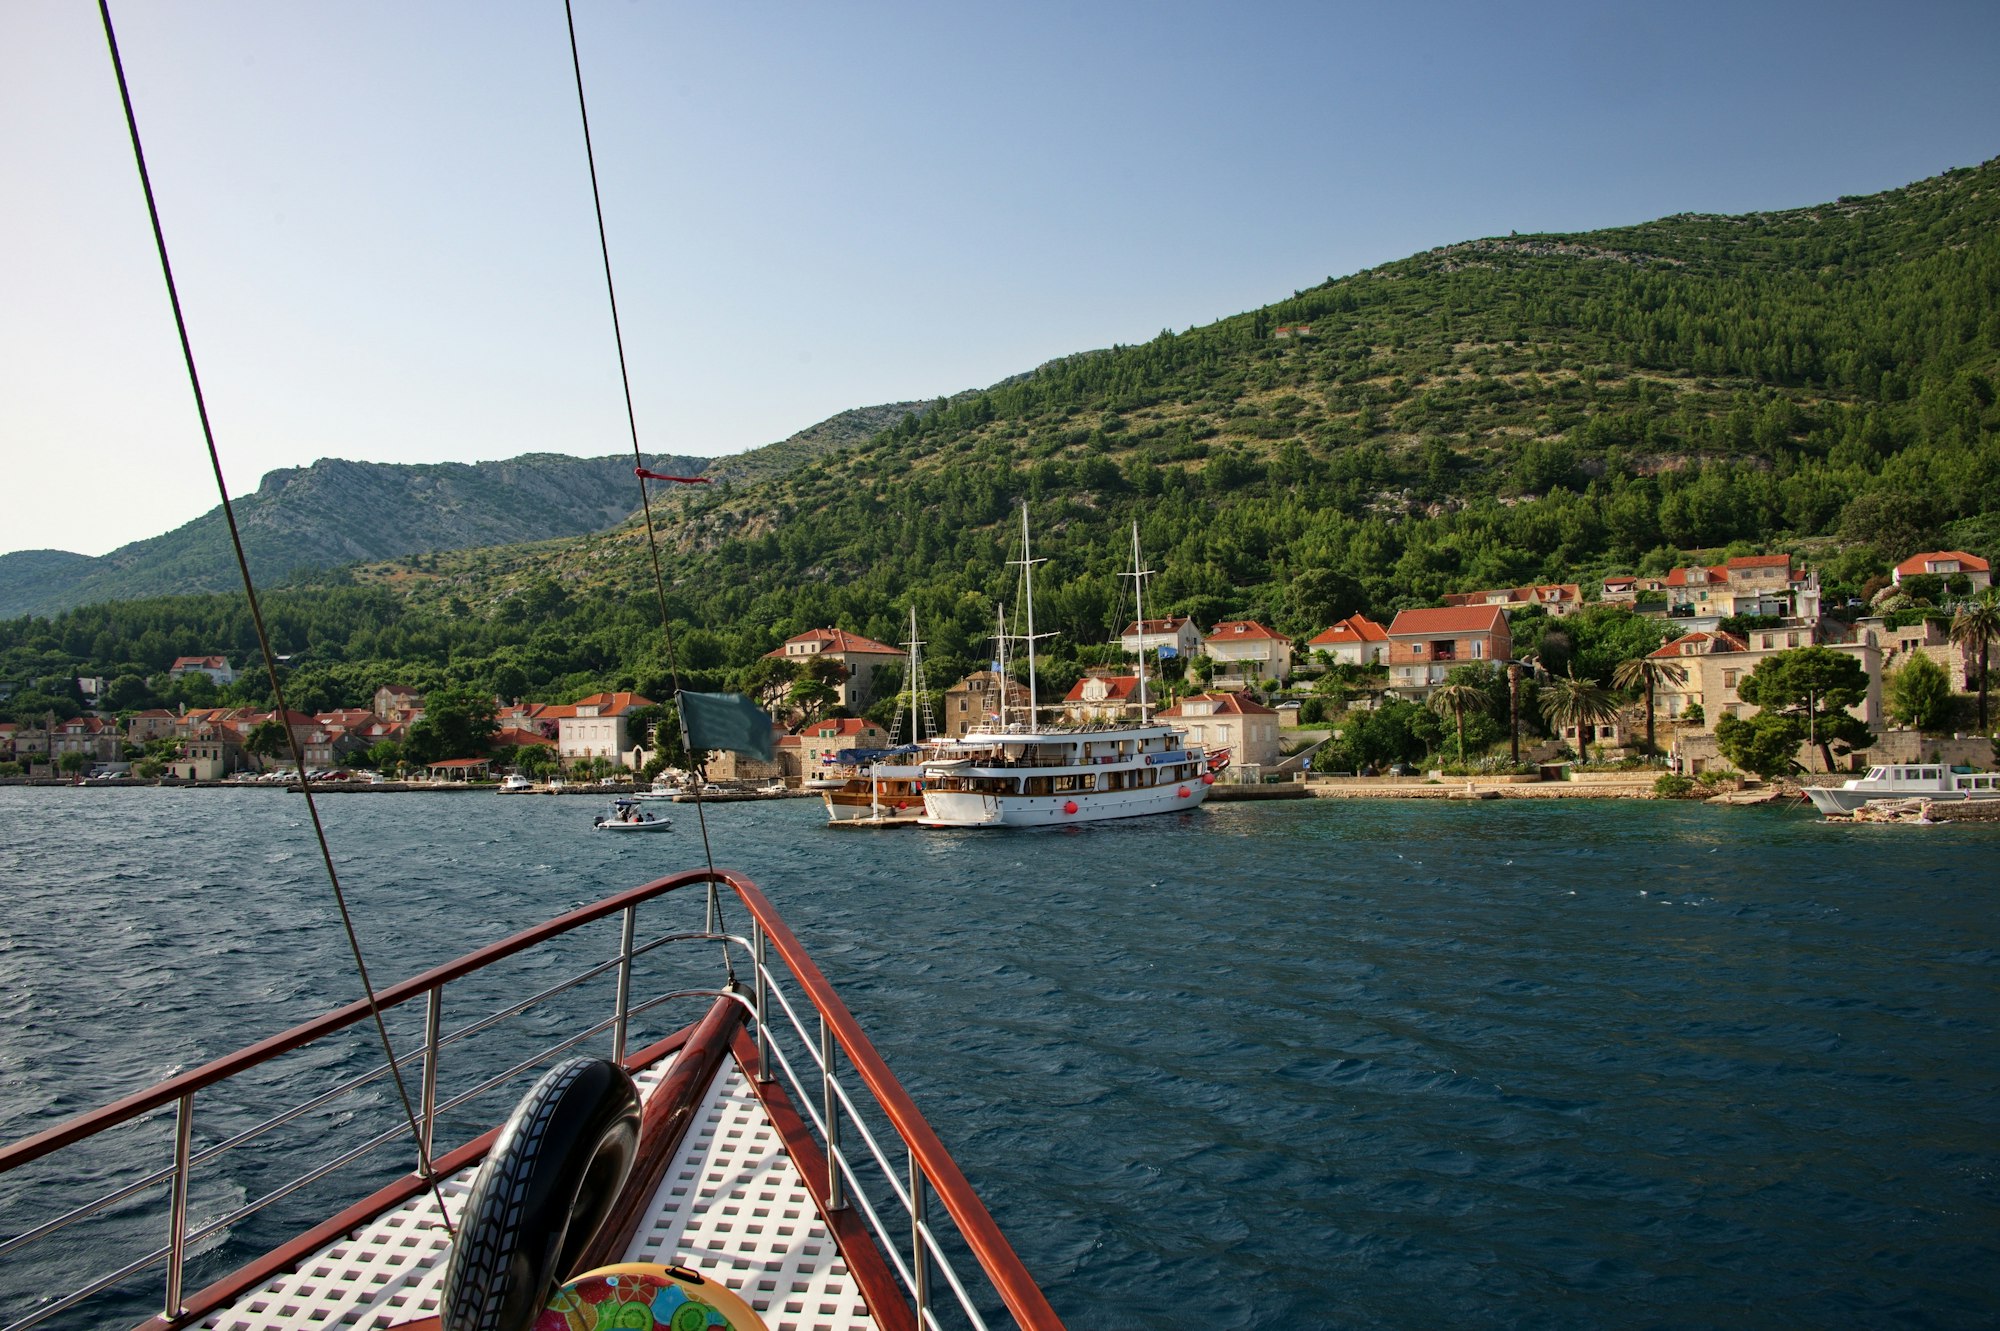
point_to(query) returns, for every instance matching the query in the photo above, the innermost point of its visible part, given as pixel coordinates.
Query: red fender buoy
(1208, 778)
(1183, 792)
(1069, 806)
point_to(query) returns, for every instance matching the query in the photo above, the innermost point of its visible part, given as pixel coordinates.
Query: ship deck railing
(877, 1171)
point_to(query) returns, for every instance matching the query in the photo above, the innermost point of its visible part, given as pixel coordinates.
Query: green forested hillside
(1517, 408)
(335, 513)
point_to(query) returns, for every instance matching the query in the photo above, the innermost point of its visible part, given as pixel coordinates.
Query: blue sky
(380, 213)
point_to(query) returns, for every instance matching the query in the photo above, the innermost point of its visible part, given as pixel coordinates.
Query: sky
(381, 224)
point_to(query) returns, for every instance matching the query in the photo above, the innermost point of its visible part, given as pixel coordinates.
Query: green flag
(725, 721)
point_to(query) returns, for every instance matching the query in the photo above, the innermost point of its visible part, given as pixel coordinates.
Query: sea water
(1320, 1064)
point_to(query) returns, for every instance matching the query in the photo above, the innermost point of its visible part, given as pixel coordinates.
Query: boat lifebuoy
(541, 1195)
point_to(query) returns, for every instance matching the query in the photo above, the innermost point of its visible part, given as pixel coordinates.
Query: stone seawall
(1416, 788)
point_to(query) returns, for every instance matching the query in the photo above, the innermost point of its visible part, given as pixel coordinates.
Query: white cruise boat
(1904, 781)
(1029, 775)
(1043, 776)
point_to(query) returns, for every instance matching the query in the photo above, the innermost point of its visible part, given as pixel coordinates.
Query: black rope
(639, 469)
(257, 618)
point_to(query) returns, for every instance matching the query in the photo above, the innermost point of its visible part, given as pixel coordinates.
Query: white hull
(966, 809)
(653, 825)
(1835, 800)
(1904, 781)
(1048, 778)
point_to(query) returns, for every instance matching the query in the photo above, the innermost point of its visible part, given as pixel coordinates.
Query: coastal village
(1270, 701)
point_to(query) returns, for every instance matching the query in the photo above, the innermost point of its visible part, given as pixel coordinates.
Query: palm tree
(1568, 701)
(1457, 699)
(1976, 625)
(1648, 673)
(1516, 666)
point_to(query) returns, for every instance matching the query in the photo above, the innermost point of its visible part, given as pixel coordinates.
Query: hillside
(1483, 414)
(1509, 409)
(335, 513)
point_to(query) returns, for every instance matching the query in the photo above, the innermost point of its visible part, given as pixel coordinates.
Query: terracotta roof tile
(1449, 619)
(1918, 563)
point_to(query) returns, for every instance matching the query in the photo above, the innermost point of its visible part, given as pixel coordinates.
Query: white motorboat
(1028, 775)
(516, 784)
(1903, 781)
(628, 815)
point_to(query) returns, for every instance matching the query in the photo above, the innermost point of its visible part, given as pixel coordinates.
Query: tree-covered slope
(334, 513)
(1502, 410)
(1509, 409)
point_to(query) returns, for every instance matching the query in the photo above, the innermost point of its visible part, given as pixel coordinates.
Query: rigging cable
(424, 1167)
(641, 473)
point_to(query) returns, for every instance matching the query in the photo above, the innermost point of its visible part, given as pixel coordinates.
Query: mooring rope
(424, 1166)
(641, 473)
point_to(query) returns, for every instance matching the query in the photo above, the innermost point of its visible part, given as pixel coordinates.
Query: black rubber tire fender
(539, 1199)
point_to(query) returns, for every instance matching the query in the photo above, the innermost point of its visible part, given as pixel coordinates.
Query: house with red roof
(1770, 585)
(599, 727)
(1248, 729)
(1714, 664)
(1427, 645)
(1356, 640)
(863, 657)
(1101, 696)
(1176, 635)
(215, 667)
(1557, 598)
(1247, 653)
(92, 736)
(810, 752)
(1945, 564)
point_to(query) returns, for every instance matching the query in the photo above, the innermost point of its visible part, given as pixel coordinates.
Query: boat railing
(180, 1237)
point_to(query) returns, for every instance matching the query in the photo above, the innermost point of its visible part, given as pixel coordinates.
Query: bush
(1673, 786)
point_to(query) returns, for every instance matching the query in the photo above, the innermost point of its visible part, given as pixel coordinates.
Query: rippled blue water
(1330, 1064)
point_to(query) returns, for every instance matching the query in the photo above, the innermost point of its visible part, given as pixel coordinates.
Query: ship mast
(1027, 562)
(1000, 646)
(916, 729)
(1138, 576)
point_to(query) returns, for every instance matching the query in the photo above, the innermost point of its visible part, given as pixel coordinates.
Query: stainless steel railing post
(920, 1262)
(433, 1031)
(624, 1013)
(177, 1208)
(836, 1194)
(763, 992)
